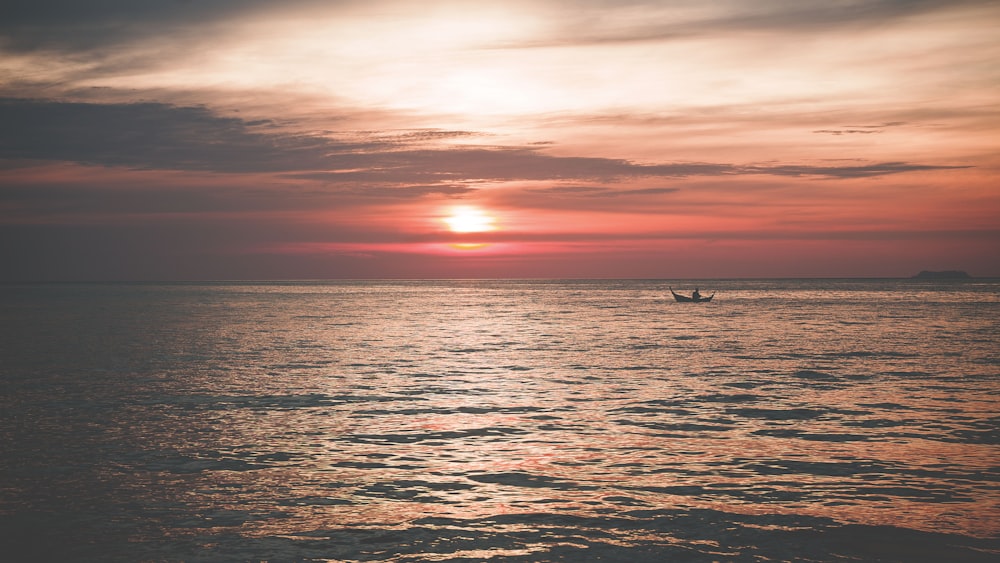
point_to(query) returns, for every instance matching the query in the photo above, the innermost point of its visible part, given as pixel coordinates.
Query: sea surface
(404, 421)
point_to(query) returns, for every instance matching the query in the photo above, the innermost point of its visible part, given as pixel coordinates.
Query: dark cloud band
(166, 137)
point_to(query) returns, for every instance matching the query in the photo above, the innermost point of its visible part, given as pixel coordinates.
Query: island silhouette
(942, 275)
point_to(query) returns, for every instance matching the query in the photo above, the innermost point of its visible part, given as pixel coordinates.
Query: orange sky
(669, 139)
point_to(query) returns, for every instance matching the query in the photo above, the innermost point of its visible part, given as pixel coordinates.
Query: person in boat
(696, 295)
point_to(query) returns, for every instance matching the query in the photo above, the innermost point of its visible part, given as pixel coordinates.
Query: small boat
(686, 299)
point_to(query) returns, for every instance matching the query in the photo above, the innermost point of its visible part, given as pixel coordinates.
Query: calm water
(822, 420)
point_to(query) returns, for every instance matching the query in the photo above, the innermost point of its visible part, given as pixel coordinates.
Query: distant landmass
(944, 275)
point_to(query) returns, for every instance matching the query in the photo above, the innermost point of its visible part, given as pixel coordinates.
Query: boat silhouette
(686, 299)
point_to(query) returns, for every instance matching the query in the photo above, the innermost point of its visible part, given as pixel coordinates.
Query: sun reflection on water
(510, 420)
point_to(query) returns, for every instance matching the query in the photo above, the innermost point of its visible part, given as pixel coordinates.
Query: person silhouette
(696, 295)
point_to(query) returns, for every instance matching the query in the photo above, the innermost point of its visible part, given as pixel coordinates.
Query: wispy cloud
(597, 23)
(860, 129)
(160, 136)
(860, 171)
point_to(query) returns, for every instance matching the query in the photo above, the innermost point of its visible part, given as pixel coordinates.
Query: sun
(469, 219)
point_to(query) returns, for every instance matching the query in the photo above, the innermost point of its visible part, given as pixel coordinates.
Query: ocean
(503, 421)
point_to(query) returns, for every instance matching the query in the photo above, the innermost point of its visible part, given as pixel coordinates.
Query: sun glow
(468, 219)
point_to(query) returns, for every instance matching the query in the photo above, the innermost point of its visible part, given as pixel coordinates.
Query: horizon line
(522, 279)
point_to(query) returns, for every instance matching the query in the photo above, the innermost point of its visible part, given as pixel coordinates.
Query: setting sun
(468, 219)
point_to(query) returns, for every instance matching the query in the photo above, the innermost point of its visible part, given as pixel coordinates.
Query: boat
(686, 299)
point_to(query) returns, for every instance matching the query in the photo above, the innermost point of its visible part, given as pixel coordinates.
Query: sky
(308, 139)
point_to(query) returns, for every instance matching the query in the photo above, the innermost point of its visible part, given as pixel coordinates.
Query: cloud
(159, 136)
(368, 191)
(70, 25)
(860, 129)
(597, 22)
(846, 131)
(166, 137)
(861, 171)
(77, 27)
(600, 192)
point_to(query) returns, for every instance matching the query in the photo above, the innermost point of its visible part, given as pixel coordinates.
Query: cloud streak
(160, 136)
(71, 26)
(643, 21)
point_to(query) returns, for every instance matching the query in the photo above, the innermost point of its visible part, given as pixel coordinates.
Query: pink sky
(670, 139)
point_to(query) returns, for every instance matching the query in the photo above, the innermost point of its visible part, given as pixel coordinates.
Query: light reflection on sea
(518, 421)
